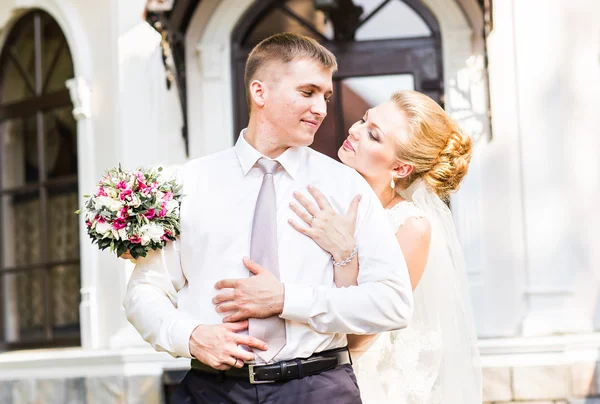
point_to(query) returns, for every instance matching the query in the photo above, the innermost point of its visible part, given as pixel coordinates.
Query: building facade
(94, 84)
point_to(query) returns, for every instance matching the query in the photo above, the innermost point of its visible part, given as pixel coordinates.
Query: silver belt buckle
(251, 374)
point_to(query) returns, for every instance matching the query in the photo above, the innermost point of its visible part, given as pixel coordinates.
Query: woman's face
(371, 145)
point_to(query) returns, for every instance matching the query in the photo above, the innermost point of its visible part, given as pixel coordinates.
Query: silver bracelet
(347, 260)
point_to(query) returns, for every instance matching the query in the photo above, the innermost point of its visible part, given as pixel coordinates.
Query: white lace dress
(402, 366)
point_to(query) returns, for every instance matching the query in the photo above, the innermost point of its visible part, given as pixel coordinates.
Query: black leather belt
(284, 370)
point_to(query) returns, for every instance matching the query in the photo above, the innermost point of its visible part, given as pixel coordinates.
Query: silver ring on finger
(235, 364)
(311, 220)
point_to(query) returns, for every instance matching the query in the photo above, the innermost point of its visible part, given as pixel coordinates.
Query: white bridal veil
(443, 303)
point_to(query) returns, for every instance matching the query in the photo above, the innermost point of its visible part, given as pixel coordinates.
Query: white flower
(103, 228)
(151, 232)
(112, 204)
(112, 193)
(135, 201)
(115, 234)
(171, 205)
(123, 234)
(89, 216)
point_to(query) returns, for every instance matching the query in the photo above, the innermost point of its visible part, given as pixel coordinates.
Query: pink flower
(121, 185)
(135, 239)
(165, 237)
(99, 219)
(150, 214)
(119, 224)
(125, 194)
(123, 214)
(101, 192)
(168, 196)
(163, 210)
(88, 223)
(141, 180)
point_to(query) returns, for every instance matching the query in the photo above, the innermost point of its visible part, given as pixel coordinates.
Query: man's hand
(217, 345)
(259, 296)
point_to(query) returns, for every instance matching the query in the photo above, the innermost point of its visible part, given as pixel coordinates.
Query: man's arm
(151, 306)
(151, 302)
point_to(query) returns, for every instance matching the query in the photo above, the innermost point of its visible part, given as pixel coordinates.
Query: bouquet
(133, 211)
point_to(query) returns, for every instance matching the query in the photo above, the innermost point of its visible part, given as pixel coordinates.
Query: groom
(288, 339)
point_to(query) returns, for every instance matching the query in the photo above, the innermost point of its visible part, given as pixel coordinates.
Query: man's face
(296, 100)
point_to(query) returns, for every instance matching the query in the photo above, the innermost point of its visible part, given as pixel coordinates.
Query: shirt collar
(248, 156)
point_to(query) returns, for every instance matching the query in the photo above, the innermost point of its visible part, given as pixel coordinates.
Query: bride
(413, 155)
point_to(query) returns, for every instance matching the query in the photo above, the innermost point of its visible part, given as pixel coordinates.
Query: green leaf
(137, 251)
(104, 243)
(121, 249)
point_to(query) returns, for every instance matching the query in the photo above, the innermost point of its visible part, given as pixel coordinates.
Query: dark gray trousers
(331, 387)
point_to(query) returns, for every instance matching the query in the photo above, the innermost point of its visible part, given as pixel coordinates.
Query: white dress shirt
(171, 290)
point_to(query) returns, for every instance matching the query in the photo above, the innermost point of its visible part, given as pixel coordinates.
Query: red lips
(347, 145)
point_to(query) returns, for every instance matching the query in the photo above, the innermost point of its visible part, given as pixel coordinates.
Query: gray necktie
(263, 250)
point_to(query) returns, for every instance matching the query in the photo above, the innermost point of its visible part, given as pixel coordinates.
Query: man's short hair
(284, 48)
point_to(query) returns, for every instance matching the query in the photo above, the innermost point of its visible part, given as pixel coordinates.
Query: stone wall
(577, 383)
(98, 390)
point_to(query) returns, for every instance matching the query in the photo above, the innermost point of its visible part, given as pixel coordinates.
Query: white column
(82, 111)
(150, 122)
(553, 95)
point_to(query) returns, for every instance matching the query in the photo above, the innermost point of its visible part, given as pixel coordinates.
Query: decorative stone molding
(81, 96)
(160, 5)
(69, 363)
(88, 317)
(73, 28)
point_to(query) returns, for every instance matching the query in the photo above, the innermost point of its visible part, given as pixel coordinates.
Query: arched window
(39, 236)
(381, 46)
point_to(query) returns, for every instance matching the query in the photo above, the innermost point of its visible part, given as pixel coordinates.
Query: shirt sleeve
(383, 299)
(151, 302)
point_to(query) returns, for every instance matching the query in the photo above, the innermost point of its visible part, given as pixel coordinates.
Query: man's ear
(257, 92)
(403, 170)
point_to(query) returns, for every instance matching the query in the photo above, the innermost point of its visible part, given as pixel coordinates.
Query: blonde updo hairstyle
(433, 144)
